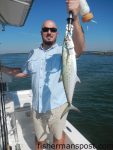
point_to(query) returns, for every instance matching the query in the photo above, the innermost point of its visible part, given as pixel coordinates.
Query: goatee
(48, 43)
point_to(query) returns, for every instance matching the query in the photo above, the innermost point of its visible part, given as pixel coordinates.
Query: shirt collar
(53, 46)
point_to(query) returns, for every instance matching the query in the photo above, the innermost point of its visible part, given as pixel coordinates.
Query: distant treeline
(108, 53)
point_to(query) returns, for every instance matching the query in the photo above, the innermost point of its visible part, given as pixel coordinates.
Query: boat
(16, 125)
(21, 135)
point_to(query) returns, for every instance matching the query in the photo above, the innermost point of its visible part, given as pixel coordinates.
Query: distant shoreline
(13, 53)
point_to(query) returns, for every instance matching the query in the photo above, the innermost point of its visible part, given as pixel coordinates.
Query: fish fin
(60, 79)
(78, 79)
(68, 108)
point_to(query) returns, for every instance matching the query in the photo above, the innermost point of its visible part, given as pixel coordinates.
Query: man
(44, 65)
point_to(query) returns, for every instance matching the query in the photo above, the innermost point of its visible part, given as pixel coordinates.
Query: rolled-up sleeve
(25, 69)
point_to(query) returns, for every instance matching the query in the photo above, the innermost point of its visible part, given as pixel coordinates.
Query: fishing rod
(3, 120)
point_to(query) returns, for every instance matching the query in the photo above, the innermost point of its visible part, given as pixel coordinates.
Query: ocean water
(93, 96)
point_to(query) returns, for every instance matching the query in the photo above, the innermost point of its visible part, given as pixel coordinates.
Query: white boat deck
(74, 140)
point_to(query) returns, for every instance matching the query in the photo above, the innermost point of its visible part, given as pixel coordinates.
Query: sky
(98, 37)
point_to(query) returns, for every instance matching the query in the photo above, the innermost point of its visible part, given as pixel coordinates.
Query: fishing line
(92, 21)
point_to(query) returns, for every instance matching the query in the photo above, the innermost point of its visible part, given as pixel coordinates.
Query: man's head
(49, 33)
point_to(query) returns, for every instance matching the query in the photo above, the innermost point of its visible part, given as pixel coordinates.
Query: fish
(69, 69)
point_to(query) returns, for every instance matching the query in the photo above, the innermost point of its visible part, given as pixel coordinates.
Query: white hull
(21, 132)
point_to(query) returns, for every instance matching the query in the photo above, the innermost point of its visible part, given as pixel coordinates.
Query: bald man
(44, 66)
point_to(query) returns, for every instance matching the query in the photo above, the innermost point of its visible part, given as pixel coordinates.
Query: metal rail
(3, 121)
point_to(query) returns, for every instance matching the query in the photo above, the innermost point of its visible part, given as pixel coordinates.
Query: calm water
(93, 96)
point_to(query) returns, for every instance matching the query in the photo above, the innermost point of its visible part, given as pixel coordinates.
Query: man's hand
(15, 71)
(74, 6)
(10, 70)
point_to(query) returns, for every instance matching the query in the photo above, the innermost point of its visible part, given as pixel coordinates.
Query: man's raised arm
(78, 35)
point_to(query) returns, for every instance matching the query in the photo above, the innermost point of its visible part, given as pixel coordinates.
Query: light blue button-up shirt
(45, 69)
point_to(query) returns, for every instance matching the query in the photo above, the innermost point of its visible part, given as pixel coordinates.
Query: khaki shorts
(44, 123)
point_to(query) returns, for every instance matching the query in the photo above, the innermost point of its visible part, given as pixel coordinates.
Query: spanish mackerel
(69, 66)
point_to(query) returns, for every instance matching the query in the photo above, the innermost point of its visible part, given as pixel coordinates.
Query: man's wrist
(76, 22)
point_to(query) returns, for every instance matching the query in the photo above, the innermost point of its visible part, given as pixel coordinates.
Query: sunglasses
(45, 29)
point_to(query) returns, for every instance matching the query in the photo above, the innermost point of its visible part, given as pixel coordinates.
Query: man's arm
(16, 72)
(78, 35)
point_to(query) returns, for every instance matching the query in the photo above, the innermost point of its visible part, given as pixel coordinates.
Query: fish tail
(68, 108)
(65, 111)
(72, 107)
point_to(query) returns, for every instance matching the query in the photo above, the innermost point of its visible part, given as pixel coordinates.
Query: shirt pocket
(33, 66)
(53, 63)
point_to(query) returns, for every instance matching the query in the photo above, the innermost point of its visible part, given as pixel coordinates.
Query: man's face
(49, 33)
